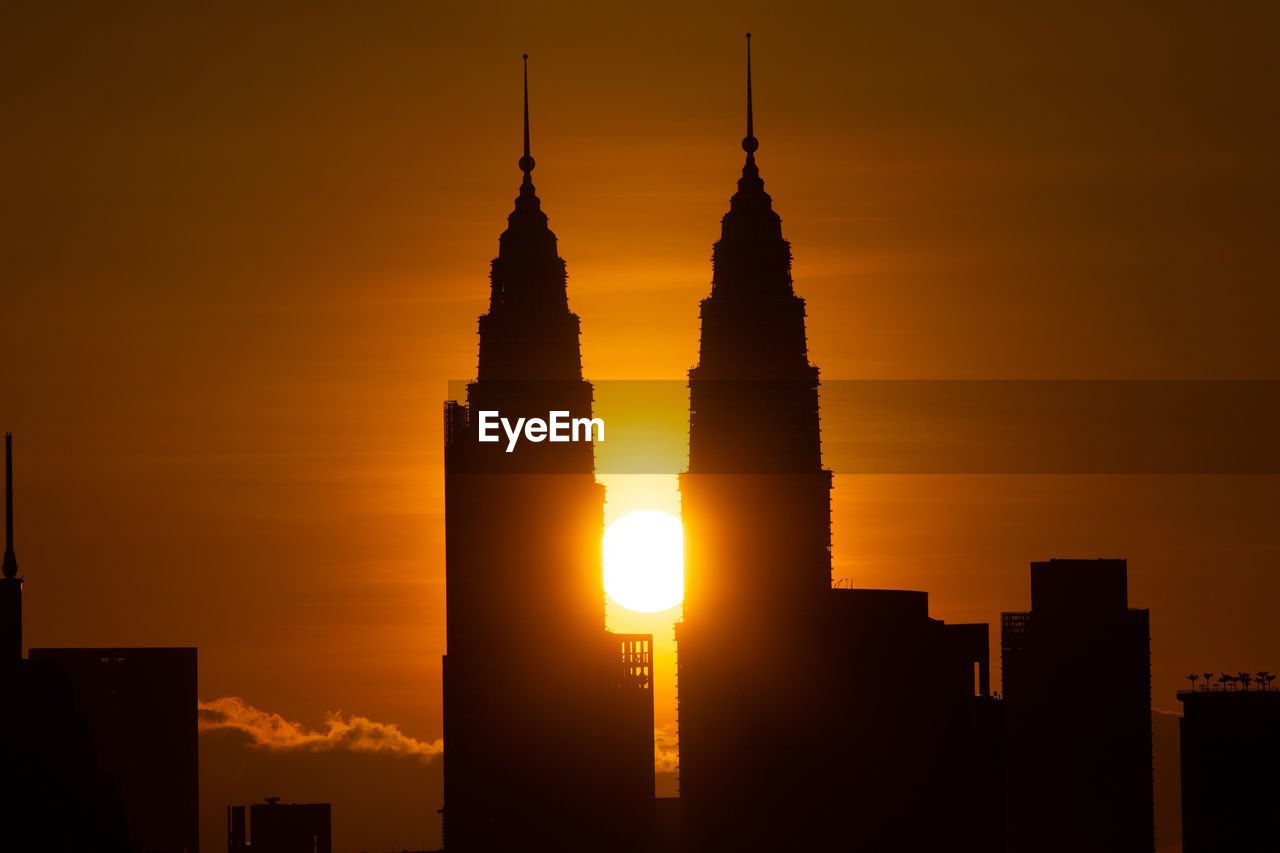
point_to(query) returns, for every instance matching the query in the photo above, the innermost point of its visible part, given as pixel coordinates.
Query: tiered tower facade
(810, 718)
(548, 717)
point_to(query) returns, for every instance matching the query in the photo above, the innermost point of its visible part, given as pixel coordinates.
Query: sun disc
(644, 561)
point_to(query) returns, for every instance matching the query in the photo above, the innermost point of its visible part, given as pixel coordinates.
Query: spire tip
(10, 568)
(749, 143)
(526, 162)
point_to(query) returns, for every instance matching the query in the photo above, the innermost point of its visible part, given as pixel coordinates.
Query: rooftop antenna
(10, 584)
(750, 143)
(526, 162)
(10, 561)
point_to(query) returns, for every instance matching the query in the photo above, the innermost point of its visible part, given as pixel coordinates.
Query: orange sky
(243, 252)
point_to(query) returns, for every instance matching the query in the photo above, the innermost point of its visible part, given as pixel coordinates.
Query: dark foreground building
(1230, 745)
(140, 706)
(548, 717)
(1077, 705)
(99, 746)
(811, 718)
(276, 827)
(52, 795)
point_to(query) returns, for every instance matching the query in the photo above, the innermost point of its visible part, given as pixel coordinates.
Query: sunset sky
(243, 248)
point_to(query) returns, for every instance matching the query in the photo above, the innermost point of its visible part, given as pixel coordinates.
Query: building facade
(548, 717)
(276, 827)
(810, 717)
(140, 707)
(1077, 705)
(99, 751)
(1230, 745)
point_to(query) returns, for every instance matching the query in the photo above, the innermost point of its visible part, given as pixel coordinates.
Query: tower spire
(10, 561)
(526, 162)
(749, 142)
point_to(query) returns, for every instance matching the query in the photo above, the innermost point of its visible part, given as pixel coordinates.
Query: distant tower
(810, 718)
(10, 584)
(548, 717)
(1077, 706)
(278, 827)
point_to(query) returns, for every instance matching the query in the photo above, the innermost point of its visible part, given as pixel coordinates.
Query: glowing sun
(644, 561)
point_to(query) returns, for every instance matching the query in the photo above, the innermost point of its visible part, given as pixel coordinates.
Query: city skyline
(232, 488)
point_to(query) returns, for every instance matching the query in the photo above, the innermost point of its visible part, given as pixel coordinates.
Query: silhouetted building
(1230, 746)
(53, 798)
(548, 717)
(276, 827)
(139, 706)
(1077, 705)
(53, 794)
(668, 820)
(811, 717)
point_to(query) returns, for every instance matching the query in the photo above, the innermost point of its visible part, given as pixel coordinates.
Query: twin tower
(810, 718)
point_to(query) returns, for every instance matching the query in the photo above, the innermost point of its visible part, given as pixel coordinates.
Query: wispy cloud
(350, 732)
(354, 733)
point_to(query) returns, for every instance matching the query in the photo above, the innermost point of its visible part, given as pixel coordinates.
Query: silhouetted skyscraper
(140, 707)
(1230, 746)
(1077, 704)
(811, 718)
(276, 827)
(52, 794)
(548, 717)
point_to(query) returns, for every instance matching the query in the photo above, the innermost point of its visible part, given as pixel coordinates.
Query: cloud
(666, 750)
(351, 733)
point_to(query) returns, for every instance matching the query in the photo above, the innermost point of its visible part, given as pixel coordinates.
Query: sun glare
(644, 561)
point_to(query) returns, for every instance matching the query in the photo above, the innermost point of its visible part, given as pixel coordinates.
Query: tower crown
(752, 323)
(753, 392)
(526, 162)
(749, 142)
(751, 258)
(528, 217)
(750, 186)
(529, 331)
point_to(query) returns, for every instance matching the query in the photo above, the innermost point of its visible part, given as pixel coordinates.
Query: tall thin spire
(10, 584)
(526, 162)
(749, 142)
(10, 561)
